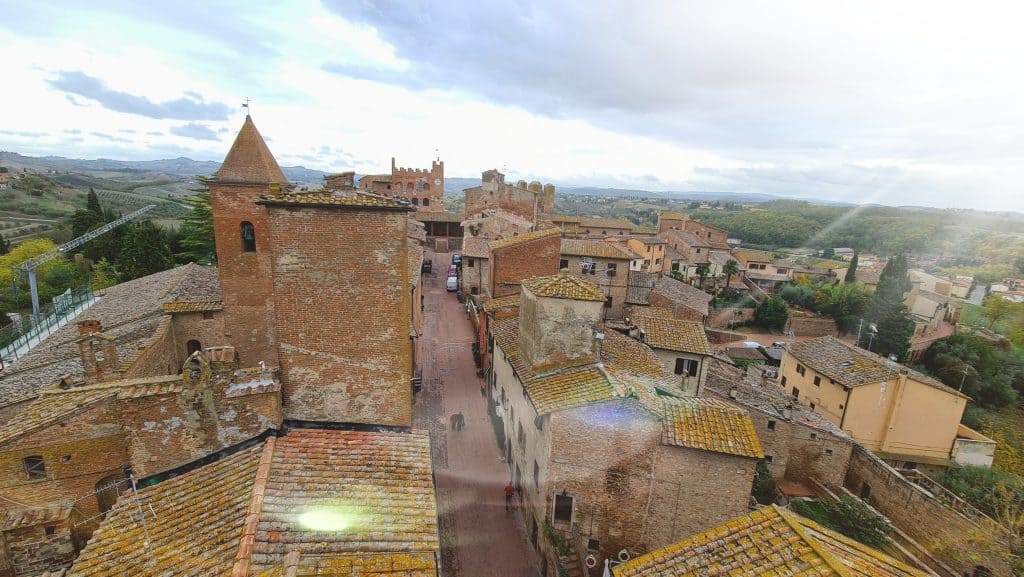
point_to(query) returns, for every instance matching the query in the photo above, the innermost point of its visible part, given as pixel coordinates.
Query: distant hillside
(182, 167)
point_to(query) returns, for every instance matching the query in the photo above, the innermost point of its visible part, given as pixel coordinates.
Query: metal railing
(20, 337)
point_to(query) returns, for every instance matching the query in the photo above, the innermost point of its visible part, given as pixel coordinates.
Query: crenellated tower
(421, 187)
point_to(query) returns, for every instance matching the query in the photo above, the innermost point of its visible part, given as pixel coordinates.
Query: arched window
(193, 346)
(408, 186)
(426, 186)
(415, 201)
(248, 237)
(426, 202)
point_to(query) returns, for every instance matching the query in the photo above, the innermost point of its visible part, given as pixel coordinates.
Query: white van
(453, 283)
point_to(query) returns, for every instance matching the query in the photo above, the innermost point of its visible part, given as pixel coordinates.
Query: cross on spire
(245, 105)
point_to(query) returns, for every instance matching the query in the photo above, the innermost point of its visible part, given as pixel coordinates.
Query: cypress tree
(888, 312)
(851, 273)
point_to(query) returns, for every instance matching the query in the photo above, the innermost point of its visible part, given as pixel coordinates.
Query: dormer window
(248, 237)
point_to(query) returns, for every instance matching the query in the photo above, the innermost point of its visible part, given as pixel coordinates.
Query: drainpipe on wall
(846, 406)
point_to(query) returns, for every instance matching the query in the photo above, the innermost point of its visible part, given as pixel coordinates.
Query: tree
(990, 375)
(772, 313)
(845, 303)
(764, 491)
(851, 272)
(888, 312)
(103, 275)
(82, 221)
(828, 253)
(197, 241)
(851, 517)
(996, 493)
(145, 251)
(997, 309)
(730, 268)
(702, 272)
(5, 245)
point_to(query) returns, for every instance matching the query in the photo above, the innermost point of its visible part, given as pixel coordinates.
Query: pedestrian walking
(454, 421)
(509, 492)
(460, 420)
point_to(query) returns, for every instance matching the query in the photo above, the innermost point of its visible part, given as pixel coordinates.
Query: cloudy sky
(890, 102)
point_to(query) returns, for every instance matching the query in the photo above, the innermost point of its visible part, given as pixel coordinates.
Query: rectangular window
(800, 370)
(817, 381)
(814, 436)
(812, 406)
(563, 508)
(608, 303)
(687, 367)
(469, 262)
(796, 393)
(207, 316)
(783, 381)
(771, 425)
(828, 451)
(657, 261)
(768, 459)
(35, 468)
(564, 263)
(680, 366)
(612, 268)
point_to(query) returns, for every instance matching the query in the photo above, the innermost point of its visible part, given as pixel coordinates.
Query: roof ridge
(247, 542)
(798, 528)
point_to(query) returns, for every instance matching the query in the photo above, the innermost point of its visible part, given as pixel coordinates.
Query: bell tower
(243, 252)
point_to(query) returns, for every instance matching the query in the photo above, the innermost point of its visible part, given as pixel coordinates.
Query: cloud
(195, 130)
(23, 133)
(109, 137)
(92, 88)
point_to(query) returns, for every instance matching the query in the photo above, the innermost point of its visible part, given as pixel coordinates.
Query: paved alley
(477, 536)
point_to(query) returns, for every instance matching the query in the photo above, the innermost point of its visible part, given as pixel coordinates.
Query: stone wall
(342, 314)
(37, 548)
(812, 326)
(724, 318)
(721, 337)
(516, 200)
(511, 264)
(956, 540)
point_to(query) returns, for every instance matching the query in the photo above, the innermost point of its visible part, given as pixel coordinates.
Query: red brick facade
(423, 188)
(512, 263)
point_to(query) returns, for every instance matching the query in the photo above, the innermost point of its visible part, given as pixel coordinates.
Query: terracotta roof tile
(18, 518)
(664, 332)
(191, 306)
(669, 215)
(639, 285)
(335, 199)
(509, 302)
(476, 247)
(564, 286)
(769, 542)
(604, 222)
(595, 248)
(523, 238)
(852, 366)
(437, 216)
(320, 501)
(710, 425)
(684, 294)
(51, 408)
(249, 159)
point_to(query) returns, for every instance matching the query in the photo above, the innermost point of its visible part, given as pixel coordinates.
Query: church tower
(242, 234)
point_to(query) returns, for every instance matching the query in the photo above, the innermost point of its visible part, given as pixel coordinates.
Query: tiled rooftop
(18, 518)
(664, 332)
(687, 238)
(476, 247)
(191, 306)
(130, 311)
(630, 369)
(639, 285)
(437, 216)
(415, 262)
(357, 199)
(249, 159)
(852, 366)
(603, 222)
(684, 294)
(595, 249)
(564, 286)
(669, 215)
(523, 238)
(710, 425)
(511, 301)
(341, 502)
(769, 542)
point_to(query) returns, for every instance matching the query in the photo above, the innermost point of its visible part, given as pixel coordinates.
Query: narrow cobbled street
(477, 536)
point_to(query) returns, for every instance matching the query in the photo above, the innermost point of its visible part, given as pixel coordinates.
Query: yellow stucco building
(904, 416)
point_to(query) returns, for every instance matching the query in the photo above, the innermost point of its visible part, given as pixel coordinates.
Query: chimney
(91, 367)
(340, 181)
(110, 360)
(732, 393)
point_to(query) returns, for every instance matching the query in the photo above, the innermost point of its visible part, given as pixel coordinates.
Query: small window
(426, 202)
(473, 290)
(593, 545)
(563, 508)
(680, 366)
(35, 468)
(771, 425)
(563, 264)
(193, 346)
(828, 451)
(796, 393)
(768, 459)
(817, 381)
(608, 303)
(800, 370)
(415, 201)
(812, 406)
(49, 530)
(536, 474)
(248, 237)
(521, 436)
(814, 436)
(207, 316)
(783, 381)
(469, 263)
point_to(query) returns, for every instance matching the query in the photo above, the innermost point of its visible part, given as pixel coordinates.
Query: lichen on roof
(710, 425)
(769, 542)
(595, 249)
(661, 331)
(564, 286)
(524, 238)
(356, 199)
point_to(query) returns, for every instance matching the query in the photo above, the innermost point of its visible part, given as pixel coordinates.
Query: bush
(799, 296)
(996, 493)
(772, 314)
(850, 516)
(764, 491)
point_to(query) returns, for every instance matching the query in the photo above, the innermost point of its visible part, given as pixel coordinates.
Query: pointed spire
(249, 159)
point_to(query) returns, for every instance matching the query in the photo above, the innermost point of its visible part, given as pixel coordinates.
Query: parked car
(457, 259)
(428, 266)
(453, 270)
(452, 284)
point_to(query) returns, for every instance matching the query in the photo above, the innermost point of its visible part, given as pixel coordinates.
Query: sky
(918, 103)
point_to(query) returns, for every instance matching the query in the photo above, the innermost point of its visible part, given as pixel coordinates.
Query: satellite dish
(623, 555)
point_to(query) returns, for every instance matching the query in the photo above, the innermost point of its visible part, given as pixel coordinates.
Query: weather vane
(245, 105)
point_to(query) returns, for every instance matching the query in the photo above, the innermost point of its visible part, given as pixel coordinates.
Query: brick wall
(613, 286)
(812, 326)
(419, 185)
(722, 318)
(209, 333)
(511, 264)
(31, 550)
(510, 198)
(679, 311)
(342, 314)
(245, 277)
(721, 337)
(951, 537)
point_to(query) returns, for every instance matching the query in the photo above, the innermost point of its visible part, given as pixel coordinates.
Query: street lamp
(873, 330)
